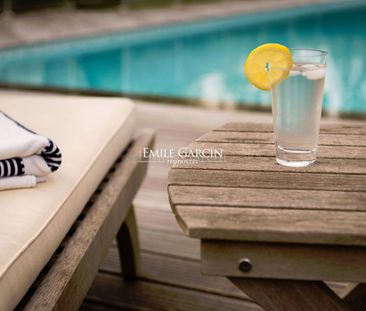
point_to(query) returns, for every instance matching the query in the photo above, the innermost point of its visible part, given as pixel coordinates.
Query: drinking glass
(297, 106)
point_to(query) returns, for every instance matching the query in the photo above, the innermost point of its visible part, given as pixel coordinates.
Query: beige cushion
(91, 133)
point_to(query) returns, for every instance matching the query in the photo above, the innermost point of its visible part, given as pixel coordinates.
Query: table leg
(290, 295)
(128, 246)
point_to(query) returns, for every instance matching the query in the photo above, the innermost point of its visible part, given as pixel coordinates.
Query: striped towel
(25, 157)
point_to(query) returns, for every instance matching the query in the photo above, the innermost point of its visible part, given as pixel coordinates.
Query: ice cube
(314, 74)
(294, 73)
(308, 67)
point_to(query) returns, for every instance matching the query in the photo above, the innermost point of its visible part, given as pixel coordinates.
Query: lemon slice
(268, 65)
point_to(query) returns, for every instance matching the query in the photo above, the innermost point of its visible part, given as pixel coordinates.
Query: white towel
(25, 157)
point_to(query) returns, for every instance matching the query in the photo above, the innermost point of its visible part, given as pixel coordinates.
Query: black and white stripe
(11, 167)
(15, 166)
(52, 155)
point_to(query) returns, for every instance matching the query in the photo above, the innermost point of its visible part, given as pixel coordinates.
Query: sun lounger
(65, 226)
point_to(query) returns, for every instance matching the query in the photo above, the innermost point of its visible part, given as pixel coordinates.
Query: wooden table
(278, 232)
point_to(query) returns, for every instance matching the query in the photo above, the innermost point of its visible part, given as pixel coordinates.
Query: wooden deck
(170, 277)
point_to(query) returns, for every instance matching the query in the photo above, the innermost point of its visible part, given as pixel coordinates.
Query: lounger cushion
(91, 132)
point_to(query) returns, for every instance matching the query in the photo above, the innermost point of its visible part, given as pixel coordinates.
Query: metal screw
(245, 265)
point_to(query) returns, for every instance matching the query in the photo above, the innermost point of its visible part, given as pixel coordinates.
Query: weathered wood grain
(340, 128)
(143, 295)
(268, 138)
(283, 261)
(270, 180)
(214, 196)
(70, 277)
(267, 164)
(273, 225)
(306, 210)
(246, 127)
(268, 150)
(266, 199)
(290, 295)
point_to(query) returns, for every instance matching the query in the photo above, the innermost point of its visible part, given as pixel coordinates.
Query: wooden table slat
(266, 164)
(278, 180)
(347, 129)
(268, 138)
(341, 152)
(246, 196)
(243, 198)
(273, 225)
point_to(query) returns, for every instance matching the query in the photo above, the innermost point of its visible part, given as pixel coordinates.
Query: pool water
(203, 60)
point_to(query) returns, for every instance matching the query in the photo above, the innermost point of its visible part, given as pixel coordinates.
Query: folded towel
(25, 154)
(16, 182)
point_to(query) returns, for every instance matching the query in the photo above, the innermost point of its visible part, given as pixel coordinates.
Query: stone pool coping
(53, 24)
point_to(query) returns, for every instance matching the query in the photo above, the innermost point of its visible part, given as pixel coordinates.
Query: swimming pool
(202, 60)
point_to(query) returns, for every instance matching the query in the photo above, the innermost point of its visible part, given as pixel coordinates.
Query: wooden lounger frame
(64, 282)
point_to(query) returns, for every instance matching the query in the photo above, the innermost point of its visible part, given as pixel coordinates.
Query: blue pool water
(203, 60)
